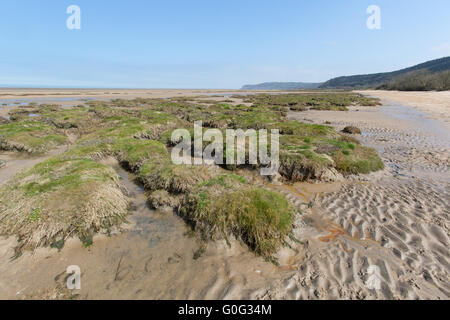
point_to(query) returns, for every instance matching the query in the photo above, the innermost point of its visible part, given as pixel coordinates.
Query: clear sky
(213, 43)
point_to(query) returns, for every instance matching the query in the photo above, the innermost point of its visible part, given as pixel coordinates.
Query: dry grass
(162, 200)
(161, 174)
(60, 198)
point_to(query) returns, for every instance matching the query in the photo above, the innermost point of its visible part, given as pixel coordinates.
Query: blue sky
(212, 44)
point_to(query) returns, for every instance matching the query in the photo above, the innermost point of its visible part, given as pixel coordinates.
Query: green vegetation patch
(307, 149)
(29, 136)
(228, 205)
(360, 159)
(146, 124)
(307, 130)
(77, 117)
(134, 152)
(162, 174)
(303, 164)
(59, 198)
(317, 101)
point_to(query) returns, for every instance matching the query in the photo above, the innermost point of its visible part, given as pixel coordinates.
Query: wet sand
(435, 105)
(397, 220)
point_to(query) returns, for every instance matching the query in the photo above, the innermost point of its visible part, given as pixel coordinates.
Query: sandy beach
(397, 220)
(435, 105)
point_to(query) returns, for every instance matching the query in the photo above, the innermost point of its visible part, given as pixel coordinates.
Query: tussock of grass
(302, 165)
(304, 129)
(161, 200)
(360, 159)
(146, 124)
(160, 173)
(149, 159)
(91, 149)
(29, 136)
(134, 153)
(223, 115)
(130, 152)
(307, 149)
(60, 198)
(78, 118)
(227, 205)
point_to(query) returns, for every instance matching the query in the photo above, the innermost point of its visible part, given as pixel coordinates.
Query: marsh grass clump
(133, 153)
(316, 101)
(74, 194)
(295, 128)
(90, 149)
(77, 118)
(60, 198)
(224, 115)
(145, 124)
(301, 157)
(162, 200)
(29, 136)
(228, 205)
(307, 150)
(162, 174)
(148, 159)
(357, 159)
(303, 165)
